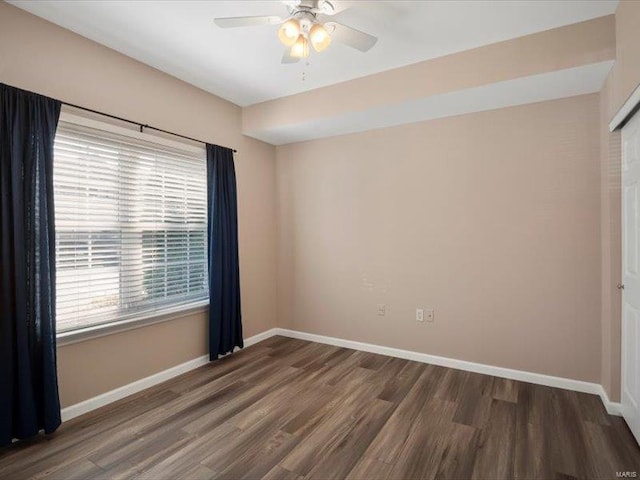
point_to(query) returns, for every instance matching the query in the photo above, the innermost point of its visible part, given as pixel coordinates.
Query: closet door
(631, 275)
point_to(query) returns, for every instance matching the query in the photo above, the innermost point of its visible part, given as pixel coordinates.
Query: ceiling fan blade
(233, 22)
(351, 37)
(287, 58)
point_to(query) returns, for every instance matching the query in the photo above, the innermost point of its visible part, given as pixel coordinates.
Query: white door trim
(632, 102)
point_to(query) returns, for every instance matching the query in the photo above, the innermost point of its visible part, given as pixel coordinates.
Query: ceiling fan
(307, 24)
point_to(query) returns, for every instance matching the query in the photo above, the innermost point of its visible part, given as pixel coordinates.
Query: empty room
(318, 239)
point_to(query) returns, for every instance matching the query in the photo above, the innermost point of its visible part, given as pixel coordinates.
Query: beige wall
(89, 368)
(507, 223)
(39, 56)
(295, 296)
(492, 219)
(610, 190)
(622, 81)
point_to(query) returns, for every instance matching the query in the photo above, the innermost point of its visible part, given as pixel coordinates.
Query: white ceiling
(243, 65)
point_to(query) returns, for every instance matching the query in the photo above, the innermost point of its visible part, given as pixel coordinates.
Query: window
(131, 225)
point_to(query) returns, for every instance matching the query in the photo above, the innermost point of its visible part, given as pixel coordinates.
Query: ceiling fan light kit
(305, 26)
(298, 33)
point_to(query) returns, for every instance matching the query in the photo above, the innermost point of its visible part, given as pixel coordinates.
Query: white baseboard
(119, 393)
(577, 385)
(260, 337)
(613, 408)
(530, 377)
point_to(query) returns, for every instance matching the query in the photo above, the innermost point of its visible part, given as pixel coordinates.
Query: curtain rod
(141, 125)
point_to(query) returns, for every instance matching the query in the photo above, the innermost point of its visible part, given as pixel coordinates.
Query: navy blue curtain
(28, 380)
(225, 319)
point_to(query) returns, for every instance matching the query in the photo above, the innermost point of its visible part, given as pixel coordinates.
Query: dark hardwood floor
(290, 409)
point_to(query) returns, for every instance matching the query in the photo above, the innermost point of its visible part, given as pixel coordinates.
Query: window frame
(129, 322)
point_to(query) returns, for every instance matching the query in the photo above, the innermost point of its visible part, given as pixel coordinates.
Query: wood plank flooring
(290, 409)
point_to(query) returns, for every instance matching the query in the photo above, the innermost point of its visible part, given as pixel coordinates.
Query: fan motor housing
(313, 7)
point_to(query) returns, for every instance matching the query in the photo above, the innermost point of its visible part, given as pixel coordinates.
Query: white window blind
(131, 227)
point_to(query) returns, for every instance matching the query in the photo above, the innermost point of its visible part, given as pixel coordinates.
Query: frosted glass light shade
(319, 37)
(300, 49)
(289, 31)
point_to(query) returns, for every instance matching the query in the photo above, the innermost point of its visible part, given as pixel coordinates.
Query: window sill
(96, 331)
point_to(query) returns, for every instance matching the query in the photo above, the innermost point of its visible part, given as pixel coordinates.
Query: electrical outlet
(429, 314)
(420, 314)
(382, 309)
